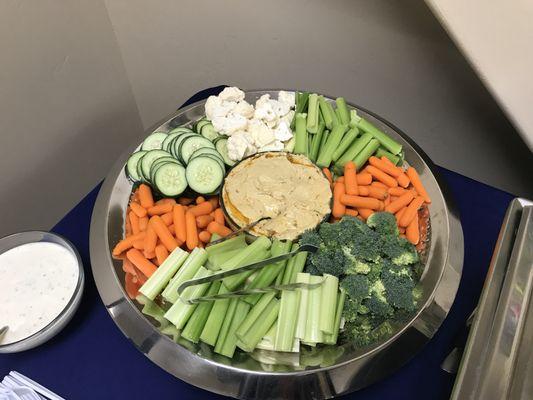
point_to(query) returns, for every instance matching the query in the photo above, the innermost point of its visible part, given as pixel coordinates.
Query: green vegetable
(230, 340)
(328, 304)
(194, 327)
(217, 315)
(295, 265)
(313, 334)
(354, 149)
(382, 152)
(301, 106)
(233, 282)
(316, 141)
(342, 108)
(346, 141)
(383, 223)
(216, 260)
(312, 114)
(327, 112)
(249, 340)
(160, 278)
(365, 154)
(237, 242)
(287, 320)
(224, 329)
(325, 137)
(386, 141)
(300, 135)
(357, 287)
(302, 309)
(332, 338)
(256, 312)
(326, 153)
(190, 267)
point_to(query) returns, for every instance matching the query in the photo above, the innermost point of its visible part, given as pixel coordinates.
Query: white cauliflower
(231, 94)
(216, 108)
(276, 145)
(230, 124)
(260, 133)
(283, 131)
(239, 146)
(265, 111)
(244, 108)
(288, 98)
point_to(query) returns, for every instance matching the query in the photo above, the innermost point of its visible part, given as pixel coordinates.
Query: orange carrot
(161, 253)
(338, 209)
(399, 214)
(350, 179)
(340, 179)
(351, 212)
(204, 236)
(379, 184)
(203, 220)
(365, 212)
(397, 191)
(149, 255)
(381, 205)
(128, 267)
(134, 221)
(140, 261)
(221, 230)
(360, 202)
(127, 227)
(145, 196)
(374, 191)
(201, 209)
(150, 240)
(387, 200)
(401, 229)
(214, 201)
(167, 218)
(138, 209)
(412, 233)
(179, 222)
(411, 211)
(160, 209)
(192, 232)
(327, 172)
(185, 201)
(143, 224)
(166, 200)
(417, 183)
(127, 243)
(402, 201)
(200, 200)
(139, 244)
(364, 178)
(382, 176)
(219, 216)
(402, 179)
(132, 287)
(172, 230)
(163, 233)
(390, 169)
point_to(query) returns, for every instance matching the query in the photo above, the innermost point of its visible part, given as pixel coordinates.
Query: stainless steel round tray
(244, 377)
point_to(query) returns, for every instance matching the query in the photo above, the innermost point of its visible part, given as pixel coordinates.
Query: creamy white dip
(37, 280)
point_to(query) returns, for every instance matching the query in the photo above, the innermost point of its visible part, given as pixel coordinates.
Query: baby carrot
(204, 236)
(411, 211)
(167, 218)
(338, 209)
(365, 212)
(412, 233)
(402, 201)
(134, 221)
(160, 209)
(128, 267)
(379, 184)
(364, 178)
(138, 209)
(127, 227)
(179, 222)
(150, 256)
(373, 191)
(401, 229)
(360, 202)
(192, 232)
(145, 196)
(163, 233)
(221, 230)
(382, 176)
(327, 172)
(219, 216)
(172, 230)
(150, 240)
(381, 206)
(417, 183)
(390, 169)
(203, 220)
(143, 223)
(214, 201)
(166, 200)
(127, 243)
(340, 179)
(397, 191)
(350, 179)
(399, 214)
(132, 287)
(351, 212)
(402, 179)
(140, 261)
(139, 245)
(200, 200)
(201, 209)
(161, 253)
(185, 201)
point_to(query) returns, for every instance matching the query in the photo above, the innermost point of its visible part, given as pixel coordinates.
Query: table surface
(92, 359)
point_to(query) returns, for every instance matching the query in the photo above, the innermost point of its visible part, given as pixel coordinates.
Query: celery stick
(382, 152)
(217, 259)
(298, 265)
(214, 321)
(313, 334)
(289, 145)
(336, 120)
(386, 141)
(346, 141)
(190, 267)
(267, 342)
(171, 330)
(365, 154)
(315, 143)
(312, 114)
(327, 111)
(260, 327)
(196, 323)
(287, 274)
(326, 153)
(302, 309)
(279, 277)
(215, 236)
(234, 243)
(300, 135)
(287, 319)
(159, 279)
(343, 112)
(328, 303)
(255, 313)
(332, 339)
(233, 282)
(152, 309)
(223, 333)
(301, 105)
(230, 342)
(180, 312)
(352, 151)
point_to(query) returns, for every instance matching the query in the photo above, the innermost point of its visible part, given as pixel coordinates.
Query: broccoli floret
(399, 285)
(399, 250)
(310, 237)
(377, 303)
(350, 309)
(329, 261)
(354, 265)
(357, 287)
(358, 331)
(375, 271)
(310, 267)
(383, 223)
(330, 234)
(383, 330)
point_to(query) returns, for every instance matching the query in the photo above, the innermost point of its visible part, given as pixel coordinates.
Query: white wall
(66, 108)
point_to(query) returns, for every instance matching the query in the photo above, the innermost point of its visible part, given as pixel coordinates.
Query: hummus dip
(288, 188)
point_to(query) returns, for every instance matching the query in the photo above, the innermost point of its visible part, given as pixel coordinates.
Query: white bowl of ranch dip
(41, 285)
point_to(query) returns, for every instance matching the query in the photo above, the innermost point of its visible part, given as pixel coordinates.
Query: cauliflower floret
(283, 131)
(245, 109)
(239, 146)
(276, 145)
(260, 133)
(231, 94)
(280, 108)
(288, 98)
(265, 111)
(230, 124)
(216, 108)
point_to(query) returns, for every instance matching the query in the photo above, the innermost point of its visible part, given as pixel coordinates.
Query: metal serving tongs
(250, 267)
(244, 229)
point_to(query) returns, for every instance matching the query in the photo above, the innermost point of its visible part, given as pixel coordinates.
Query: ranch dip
(37, 280)
(288, 188)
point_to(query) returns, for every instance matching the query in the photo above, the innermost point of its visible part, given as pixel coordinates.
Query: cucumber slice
(148, 159)
(205, 150)
(166, 143)
(204, 175)
(176, 146)
(181, 129)
(131, 165)
(222, 147)
(154, 141)
(201, 122)
(170, 180)
(191, 144)
(217, 159)
(209, 132)
(160, 161)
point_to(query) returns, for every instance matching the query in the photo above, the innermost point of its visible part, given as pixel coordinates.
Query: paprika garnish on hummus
(288, 188)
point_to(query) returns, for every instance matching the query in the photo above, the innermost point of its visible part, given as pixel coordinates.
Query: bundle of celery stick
(278, 320)
(335, 136)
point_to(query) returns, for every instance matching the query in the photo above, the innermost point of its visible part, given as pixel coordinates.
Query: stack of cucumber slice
(184, 157)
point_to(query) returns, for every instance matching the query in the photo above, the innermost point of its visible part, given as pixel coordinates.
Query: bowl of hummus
(287, 189)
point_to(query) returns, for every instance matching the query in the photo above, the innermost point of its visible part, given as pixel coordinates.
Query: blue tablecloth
(91, 359)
